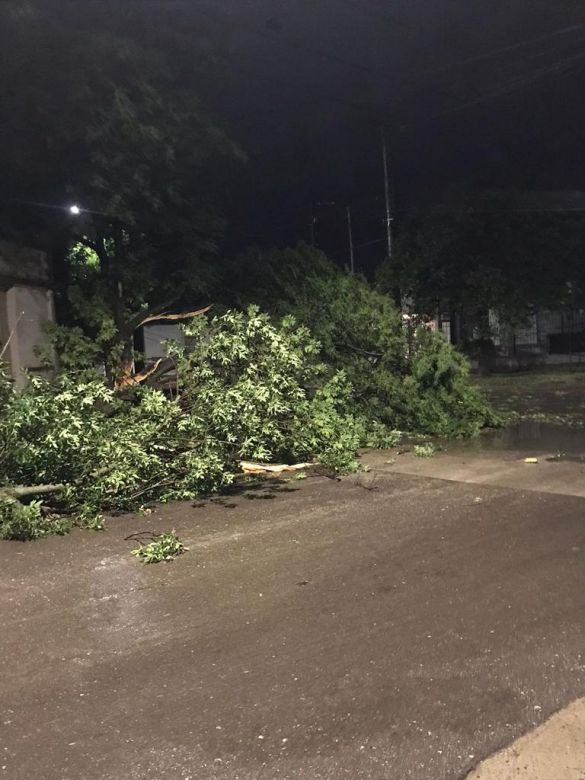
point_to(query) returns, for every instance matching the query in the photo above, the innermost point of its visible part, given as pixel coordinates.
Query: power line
(505, 49)
(436, 210)
(358, 6)
(501, 90)
(276, 36)
(370, 243)
(381, 116)
(323, 54)
(509, 89)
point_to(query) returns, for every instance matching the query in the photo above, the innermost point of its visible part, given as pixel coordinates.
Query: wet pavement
(386, 626)
(525, 436)
(527, 455)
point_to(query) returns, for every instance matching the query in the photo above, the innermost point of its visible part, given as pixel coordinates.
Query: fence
(554, 336)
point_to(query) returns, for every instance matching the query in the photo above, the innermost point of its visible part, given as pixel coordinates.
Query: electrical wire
(358, 5)
(292, 43)
(323, 54)
(510, 88)
(383, 117)
(506, 49)
(430, 210)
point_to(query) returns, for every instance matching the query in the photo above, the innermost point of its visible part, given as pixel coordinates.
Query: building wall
(27, 311)
(155, 336)
(4, 330)
(26, 305)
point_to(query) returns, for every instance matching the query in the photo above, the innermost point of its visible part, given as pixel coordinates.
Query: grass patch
(550, 395)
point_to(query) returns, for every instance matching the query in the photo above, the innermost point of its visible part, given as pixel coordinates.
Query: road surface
(386, 626)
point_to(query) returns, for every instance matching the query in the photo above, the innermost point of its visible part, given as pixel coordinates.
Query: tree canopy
(101, 109)
(470, 261)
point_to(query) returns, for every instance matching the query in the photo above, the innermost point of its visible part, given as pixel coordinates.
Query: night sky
(474, 95)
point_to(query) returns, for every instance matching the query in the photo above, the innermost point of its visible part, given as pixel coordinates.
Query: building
(26, 305)
(545, 337)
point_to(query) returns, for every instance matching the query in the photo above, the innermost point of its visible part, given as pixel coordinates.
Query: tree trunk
(125, 369)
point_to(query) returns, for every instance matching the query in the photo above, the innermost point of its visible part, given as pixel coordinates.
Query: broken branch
(156, 369)
(168, 317)
(22, 491)
(270, 468)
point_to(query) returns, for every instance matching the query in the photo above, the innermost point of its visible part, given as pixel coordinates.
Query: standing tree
(470, 261)
(101, 109)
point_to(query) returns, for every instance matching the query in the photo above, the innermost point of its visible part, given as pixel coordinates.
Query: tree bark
(23, 491)
(168, 317)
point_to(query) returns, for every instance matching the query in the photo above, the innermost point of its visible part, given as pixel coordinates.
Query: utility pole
(388, 219)
(350, 237)
(396, 293)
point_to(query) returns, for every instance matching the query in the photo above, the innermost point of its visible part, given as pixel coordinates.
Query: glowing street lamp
(75, 210)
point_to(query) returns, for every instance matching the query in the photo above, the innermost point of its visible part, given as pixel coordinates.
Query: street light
(75, 210)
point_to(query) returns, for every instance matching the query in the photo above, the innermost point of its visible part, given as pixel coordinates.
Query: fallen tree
(255, 397)
(423, 386)
(251, 391)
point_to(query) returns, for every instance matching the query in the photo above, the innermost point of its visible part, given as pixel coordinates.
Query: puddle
(563, 457)
(528, 436)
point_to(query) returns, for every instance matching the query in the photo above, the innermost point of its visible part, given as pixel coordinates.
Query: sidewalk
(553, 751)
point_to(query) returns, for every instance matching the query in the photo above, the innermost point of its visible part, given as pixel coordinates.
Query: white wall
(154, 337)
(27, 310)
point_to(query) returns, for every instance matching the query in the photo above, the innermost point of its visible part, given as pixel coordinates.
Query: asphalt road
(391, 627)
